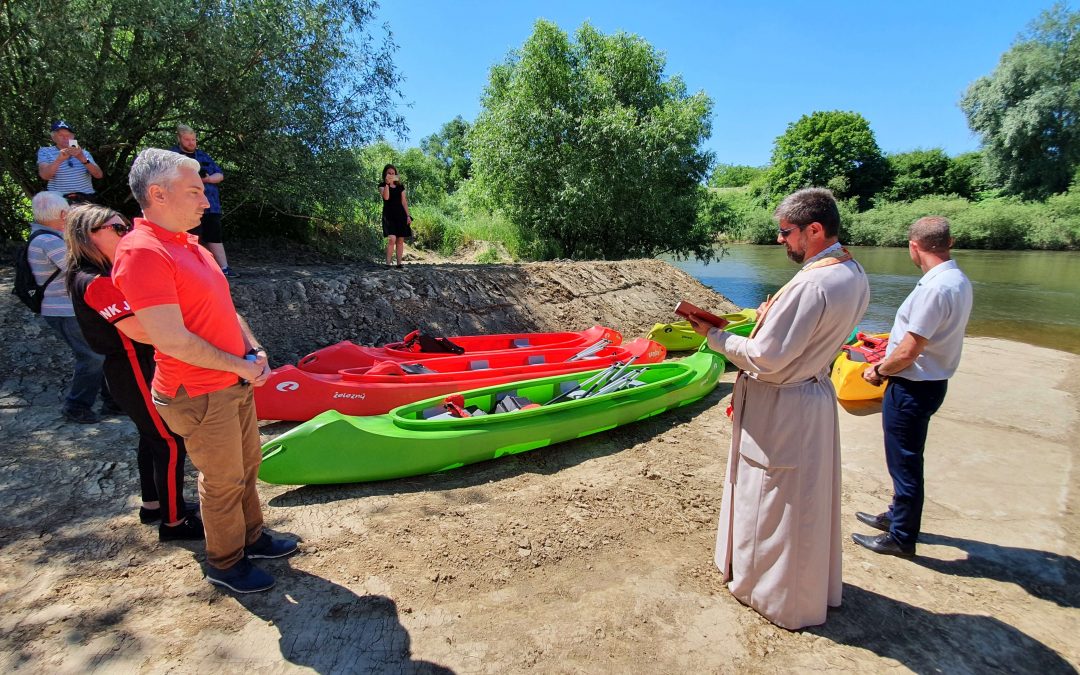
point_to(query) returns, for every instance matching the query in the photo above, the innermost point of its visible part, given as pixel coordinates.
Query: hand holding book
(696, 315)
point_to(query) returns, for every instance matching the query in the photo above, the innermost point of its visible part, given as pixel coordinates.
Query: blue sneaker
(243, 577)
(269, 547)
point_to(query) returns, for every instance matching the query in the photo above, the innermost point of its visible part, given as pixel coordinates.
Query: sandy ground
(593, 556)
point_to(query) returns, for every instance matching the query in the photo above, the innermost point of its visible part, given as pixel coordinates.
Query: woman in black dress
(395, 214)
(110, 327)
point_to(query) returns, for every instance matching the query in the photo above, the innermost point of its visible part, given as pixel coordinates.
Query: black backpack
(26, 287)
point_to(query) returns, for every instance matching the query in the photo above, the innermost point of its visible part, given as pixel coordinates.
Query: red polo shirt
(154, 267)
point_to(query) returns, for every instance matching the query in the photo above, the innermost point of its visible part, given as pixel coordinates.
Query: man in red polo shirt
(201, 385)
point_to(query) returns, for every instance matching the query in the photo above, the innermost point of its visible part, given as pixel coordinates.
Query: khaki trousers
(221, 434)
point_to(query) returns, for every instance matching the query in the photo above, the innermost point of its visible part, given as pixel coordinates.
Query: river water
(1029, 296)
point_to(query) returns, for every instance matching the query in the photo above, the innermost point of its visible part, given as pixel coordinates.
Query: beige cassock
(778, 542)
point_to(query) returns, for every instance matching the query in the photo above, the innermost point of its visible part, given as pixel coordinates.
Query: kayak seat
(568, 385)
(434, 411)
(385, 368)
(512, 403)
(536, 358)
(479, 364)
(416, 369)
(519, 342)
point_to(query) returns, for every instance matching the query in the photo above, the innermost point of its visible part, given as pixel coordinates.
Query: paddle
(590, 351)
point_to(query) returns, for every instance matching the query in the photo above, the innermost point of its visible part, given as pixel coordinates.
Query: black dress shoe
(882, 521)
(884, 544)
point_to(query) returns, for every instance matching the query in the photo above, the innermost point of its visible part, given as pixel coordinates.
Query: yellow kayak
(680, 337)
(847, 369)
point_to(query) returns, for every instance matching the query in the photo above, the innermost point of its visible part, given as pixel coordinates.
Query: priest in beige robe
(778, 544)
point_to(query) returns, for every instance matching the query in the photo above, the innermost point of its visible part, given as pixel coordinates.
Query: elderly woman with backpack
(39, 283)
(111, 329)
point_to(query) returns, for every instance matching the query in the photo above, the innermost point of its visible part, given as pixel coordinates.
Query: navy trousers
(905, 418)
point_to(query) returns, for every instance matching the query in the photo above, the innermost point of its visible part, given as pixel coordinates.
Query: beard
(797, 255)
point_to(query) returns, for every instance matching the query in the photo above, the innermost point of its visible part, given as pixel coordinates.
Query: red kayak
(346, 354)
(293, 394)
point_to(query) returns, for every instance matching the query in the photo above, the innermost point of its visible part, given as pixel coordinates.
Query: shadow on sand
(1045, 575)
(926, 642)
(329, 629)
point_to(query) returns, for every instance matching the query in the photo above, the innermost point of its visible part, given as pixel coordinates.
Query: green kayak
(336, 448)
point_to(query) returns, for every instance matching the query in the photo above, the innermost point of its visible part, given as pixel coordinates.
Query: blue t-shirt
(207, 163)
(71, 175)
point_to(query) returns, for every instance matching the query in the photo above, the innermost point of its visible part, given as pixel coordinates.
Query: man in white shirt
(924, 352)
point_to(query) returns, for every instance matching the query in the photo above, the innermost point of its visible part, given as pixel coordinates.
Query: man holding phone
(68, 168)
(778, 542)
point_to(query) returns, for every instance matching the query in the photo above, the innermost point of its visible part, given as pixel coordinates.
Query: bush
(995, 224)
(490, 255)
(887, 223)
(429, 227)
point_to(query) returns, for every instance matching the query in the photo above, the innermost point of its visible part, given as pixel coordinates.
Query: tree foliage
(449, 148)
(734, 175)
(1028, 110)
(277, 89)
(590, 150)
(920, 173)
(833, 149)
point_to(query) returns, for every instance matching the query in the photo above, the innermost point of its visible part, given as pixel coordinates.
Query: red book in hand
(687, 310)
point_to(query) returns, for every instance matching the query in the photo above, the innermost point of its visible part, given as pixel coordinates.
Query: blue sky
(902, 65)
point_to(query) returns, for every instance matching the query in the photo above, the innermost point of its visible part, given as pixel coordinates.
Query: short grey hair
(931, 233)
(182, 129)
(48, 206)
(154, 166)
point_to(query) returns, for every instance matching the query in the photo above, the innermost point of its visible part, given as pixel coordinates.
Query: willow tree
(591, 150)
(1028, 110)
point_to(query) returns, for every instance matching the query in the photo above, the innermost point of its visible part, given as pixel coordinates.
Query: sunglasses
(784, 233)
(120, 228)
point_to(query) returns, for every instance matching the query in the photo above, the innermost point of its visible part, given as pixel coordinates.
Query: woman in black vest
(111, 329)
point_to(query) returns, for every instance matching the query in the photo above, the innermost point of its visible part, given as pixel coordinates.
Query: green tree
(1028, 110)
(734, 175)
(833, 149)
(590, 150)
(920, 173)
(277, 90)
(448, 147)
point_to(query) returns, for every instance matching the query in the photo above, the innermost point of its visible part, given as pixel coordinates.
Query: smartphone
(73, 143)
(686, 310)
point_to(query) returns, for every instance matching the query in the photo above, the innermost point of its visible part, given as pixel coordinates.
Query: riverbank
(592, 556)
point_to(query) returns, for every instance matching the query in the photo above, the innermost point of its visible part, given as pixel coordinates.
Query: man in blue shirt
(68, 167)
(209, 229)
(923, 353)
